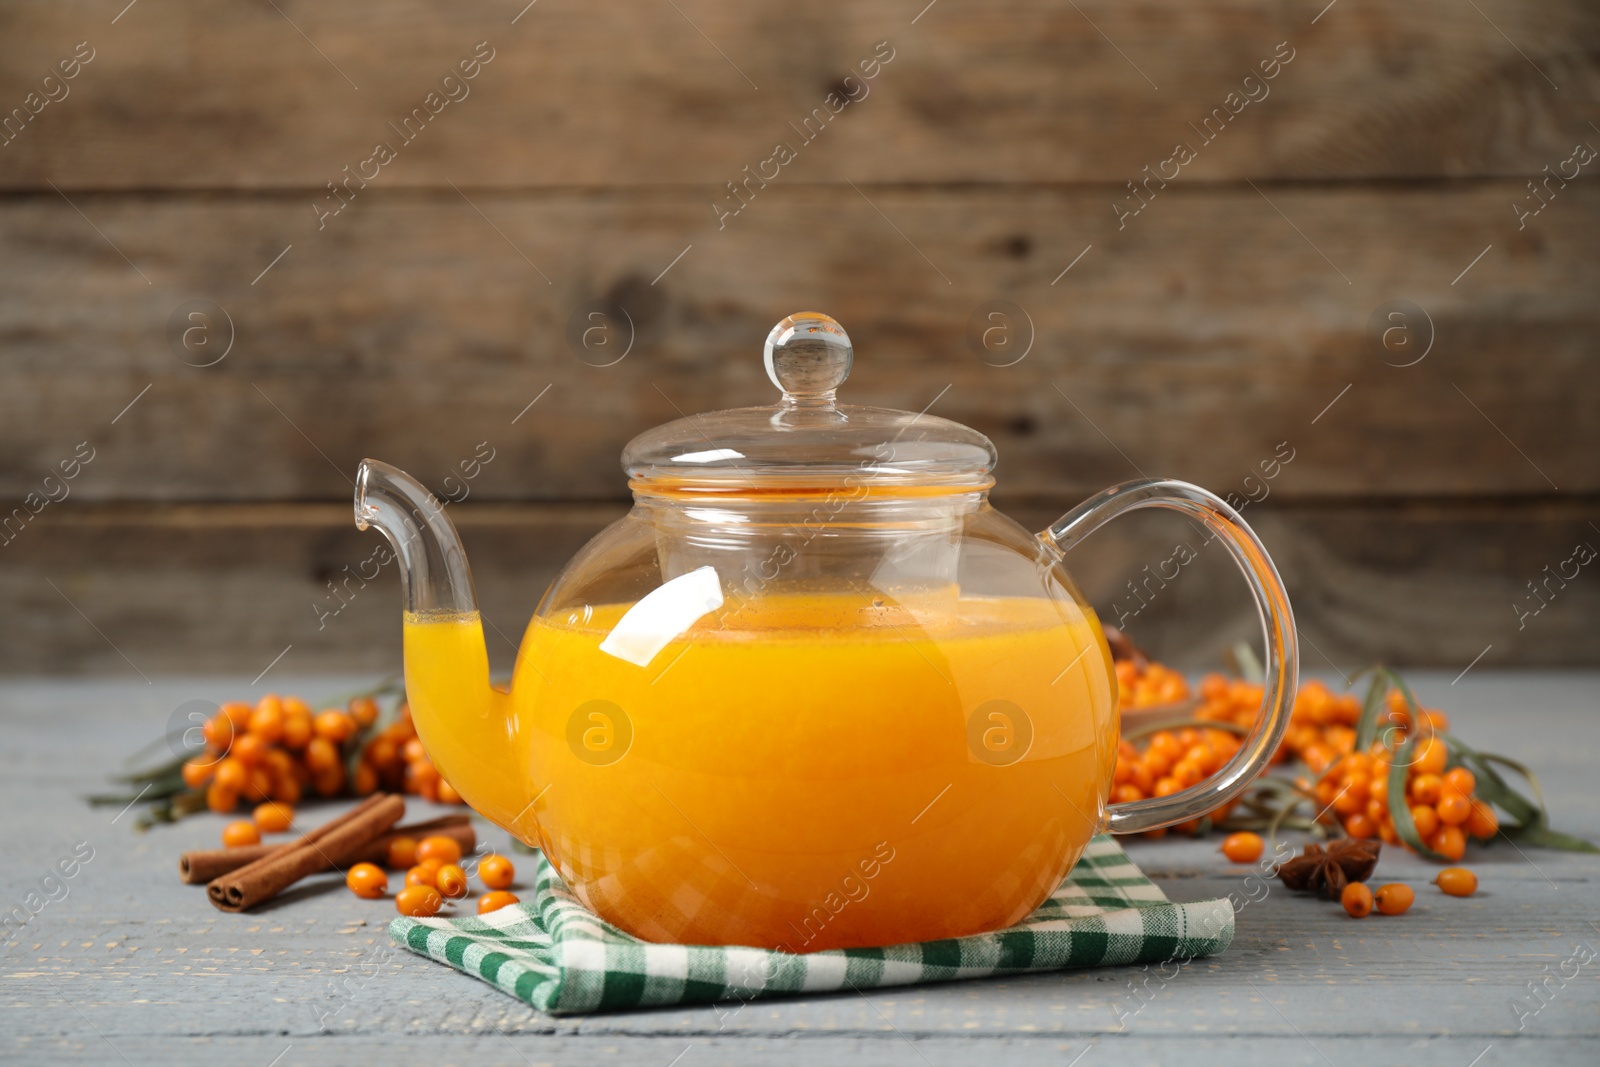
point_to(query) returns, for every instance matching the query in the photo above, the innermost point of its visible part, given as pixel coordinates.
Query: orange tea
(791, 771)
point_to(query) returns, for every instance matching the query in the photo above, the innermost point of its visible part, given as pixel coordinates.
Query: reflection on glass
(652, 623)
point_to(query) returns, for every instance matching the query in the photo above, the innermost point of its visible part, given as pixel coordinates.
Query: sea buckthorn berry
(1327, 792)
(1461, 780)
(259, 785)
(273, 818)
(286, 790)
(497, 872)
(380, 752)
(1426, 821)
(412, 750)
(266, 722)
(1167, 786)
(402, 853)
(278, 761)
(218, 732)
(236, 712)
(1394, 898)
(322, 755)
(296, 731)
(1317, 757)
(448, 794)
(1449, 842)
(1482, 823)
(1453, 808)
(221, 798)
(1239, 848)
(240, 833)
(1426, 788)
(335, 726)
(248, 749)
(418, 901)
(1351, 798)
(231, 773)
(1457, 882)
(1377, 811)
(1187, 773)
(1431, 756)
(451, 881)
(438, 847)
(425, 873)
(495, 901)
(1357, 900)
(1360, 827)
(198, 771)
(1126, 794)
(364, 781)
(330, 782)
(367, 880)
(364, 710)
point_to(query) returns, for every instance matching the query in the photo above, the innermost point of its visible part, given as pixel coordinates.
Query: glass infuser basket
(813, 691)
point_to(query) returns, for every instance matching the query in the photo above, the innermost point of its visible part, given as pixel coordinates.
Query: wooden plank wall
(1182, 316)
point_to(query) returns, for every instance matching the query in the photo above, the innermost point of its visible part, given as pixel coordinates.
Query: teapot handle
(1277, 623)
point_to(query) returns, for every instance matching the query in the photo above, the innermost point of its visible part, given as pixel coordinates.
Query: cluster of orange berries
(1353, 787)
(433, 875)
(1144, 683)
(1355, 790)
(1173, 760)
(1319, 722)
(396, 761)
(278, 750)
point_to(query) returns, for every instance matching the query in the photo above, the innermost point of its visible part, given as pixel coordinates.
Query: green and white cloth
(556, 955)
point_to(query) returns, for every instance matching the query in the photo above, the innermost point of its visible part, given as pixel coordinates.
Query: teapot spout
(433, 568)
(468, 727)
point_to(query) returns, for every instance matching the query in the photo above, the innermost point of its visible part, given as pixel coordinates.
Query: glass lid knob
(808, 355)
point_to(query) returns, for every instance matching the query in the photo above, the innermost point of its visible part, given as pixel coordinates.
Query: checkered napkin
(555, 954)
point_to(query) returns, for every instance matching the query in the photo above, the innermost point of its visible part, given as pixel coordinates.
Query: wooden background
(1231, 315)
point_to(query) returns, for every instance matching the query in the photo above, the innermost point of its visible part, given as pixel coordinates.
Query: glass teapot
(813, 691)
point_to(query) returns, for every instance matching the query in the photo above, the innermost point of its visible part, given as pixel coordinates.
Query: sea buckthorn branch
(1377, 767)
(278, 750)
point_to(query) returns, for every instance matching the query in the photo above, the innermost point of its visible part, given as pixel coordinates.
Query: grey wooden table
(130, 966)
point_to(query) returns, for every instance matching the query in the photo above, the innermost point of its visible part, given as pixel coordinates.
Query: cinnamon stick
(329, 845)
(204, 865)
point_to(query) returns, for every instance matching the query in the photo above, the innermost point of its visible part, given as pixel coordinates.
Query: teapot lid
(808, 440)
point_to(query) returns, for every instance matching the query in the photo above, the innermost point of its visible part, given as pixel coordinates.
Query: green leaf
(1544, 837)
(1371, 708)
(1493, 789)
(1248, 666)
(1399, 810)
(168, 769)
(1527, 775)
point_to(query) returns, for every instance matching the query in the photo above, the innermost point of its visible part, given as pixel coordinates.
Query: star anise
(1328, 871)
